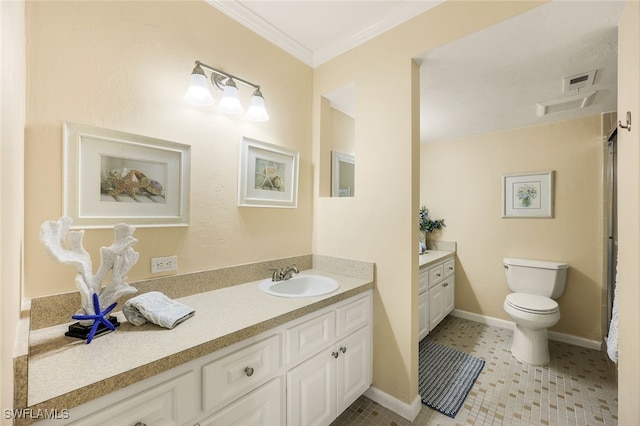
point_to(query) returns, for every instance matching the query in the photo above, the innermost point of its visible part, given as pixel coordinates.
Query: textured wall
(126, 66)
(461, 181)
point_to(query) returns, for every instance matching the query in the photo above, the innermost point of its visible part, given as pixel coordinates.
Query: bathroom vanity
(245, 357)
(436, 289)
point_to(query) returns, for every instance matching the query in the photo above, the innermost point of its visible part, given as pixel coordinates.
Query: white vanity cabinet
(303, 372)
(441, 291)
(436, 294)
(324, 385)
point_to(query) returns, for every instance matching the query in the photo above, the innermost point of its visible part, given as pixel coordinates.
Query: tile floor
(577, 387)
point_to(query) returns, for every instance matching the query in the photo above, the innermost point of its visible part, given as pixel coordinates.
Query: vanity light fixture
(198, 92)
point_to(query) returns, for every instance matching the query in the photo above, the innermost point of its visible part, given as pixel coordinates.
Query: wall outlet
(164, 264)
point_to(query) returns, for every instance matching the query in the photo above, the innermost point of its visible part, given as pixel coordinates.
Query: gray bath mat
(445, 376)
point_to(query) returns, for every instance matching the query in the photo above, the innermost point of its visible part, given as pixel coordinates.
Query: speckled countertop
(432, 256)
(66, 372)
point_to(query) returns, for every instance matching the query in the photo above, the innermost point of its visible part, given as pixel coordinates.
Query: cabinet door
(436, 305)
(423, 315)
(306, 339)
(449, 296)
(354, 367)
(263, 407)
(311, 391)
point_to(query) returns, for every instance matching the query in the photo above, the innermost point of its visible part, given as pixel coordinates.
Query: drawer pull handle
(451, 268)
(437, 275)
(343, 349)
(445, 284)
(335, 354)
(248, 371)
(140, 424)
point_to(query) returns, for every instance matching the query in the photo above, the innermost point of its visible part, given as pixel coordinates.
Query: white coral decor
(118, 258)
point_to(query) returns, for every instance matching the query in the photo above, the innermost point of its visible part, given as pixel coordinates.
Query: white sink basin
(300, 286)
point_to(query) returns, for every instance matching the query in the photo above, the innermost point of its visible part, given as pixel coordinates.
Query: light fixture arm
(226, 75)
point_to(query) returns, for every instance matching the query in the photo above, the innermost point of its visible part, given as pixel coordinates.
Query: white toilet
(535, 283)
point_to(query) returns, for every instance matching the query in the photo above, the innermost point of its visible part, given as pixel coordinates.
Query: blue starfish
(98, 318)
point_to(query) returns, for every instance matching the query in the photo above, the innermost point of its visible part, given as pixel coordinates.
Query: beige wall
(126, 66)
(337, 132)
(379, 224)
(629, 216)
(12, 118)
(461, 181)
(343, 127)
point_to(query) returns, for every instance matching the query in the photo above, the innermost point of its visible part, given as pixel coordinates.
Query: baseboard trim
(408, 411)
(553, 335)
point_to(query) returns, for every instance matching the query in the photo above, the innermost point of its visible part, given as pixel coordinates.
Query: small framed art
(527, 195)
(268, 175)
(112, 177)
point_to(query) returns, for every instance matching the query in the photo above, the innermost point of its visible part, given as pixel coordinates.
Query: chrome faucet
(284, 273)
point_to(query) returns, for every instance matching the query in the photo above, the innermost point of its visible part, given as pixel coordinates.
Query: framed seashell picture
(112, 177)
(268, 175)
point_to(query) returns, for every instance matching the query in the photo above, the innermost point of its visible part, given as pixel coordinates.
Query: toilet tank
(539, 277)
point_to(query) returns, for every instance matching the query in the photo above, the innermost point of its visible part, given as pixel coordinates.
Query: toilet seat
(532, 303)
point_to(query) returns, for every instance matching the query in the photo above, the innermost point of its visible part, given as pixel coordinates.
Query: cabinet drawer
(436, 274)
(304, 340)
(263, 407)
(423, 281)
(239, 372)
(449, 267)
(169, 403)
(354, 315)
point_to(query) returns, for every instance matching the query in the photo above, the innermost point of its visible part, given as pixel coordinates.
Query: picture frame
(268, 175)
(527, 195)
(113, 177)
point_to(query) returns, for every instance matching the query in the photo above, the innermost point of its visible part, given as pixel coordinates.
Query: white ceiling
(316, 31)
(486, 82)
(492, 80)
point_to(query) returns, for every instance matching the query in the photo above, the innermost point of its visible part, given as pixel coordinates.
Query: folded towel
(157, 308)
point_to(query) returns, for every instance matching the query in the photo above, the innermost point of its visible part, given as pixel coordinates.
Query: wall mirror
(343, 167)
(337, 142)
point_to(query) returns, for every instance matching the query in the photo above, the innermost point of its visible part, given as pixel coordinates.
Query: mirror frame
(336, 158)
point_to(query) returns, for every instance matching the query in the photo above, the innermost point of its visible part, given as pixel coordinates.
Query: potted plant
(427, 226)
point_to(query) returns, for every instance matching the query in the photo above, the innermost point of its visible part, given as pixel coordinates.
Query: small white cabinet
(436, 298)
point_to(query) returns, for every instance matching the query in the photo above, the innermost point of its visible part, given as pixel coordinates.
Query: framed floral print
(527, 195)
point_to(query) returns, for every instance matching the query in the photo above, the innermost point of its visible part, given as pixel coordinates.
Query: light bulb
(230, 102)
(257, 111)
(198, 92)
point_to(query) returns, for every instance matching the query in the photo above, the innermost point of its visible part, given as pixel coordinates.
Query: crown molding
(245, 16)
(240, 13)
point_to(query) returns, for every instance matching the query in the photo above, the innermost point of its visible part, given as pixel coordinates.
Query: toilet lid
(532, 303)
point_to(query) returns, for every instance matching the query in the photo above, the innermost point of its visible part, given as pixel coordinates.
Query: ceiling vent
(579, 81)
(582, 100)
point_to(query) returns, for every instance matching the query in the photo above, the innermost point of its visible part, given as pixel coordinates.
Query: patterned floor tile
(577, 388)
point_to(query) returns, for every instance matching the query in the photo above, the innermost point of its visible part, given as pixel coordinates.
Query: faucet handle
(276, 273)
